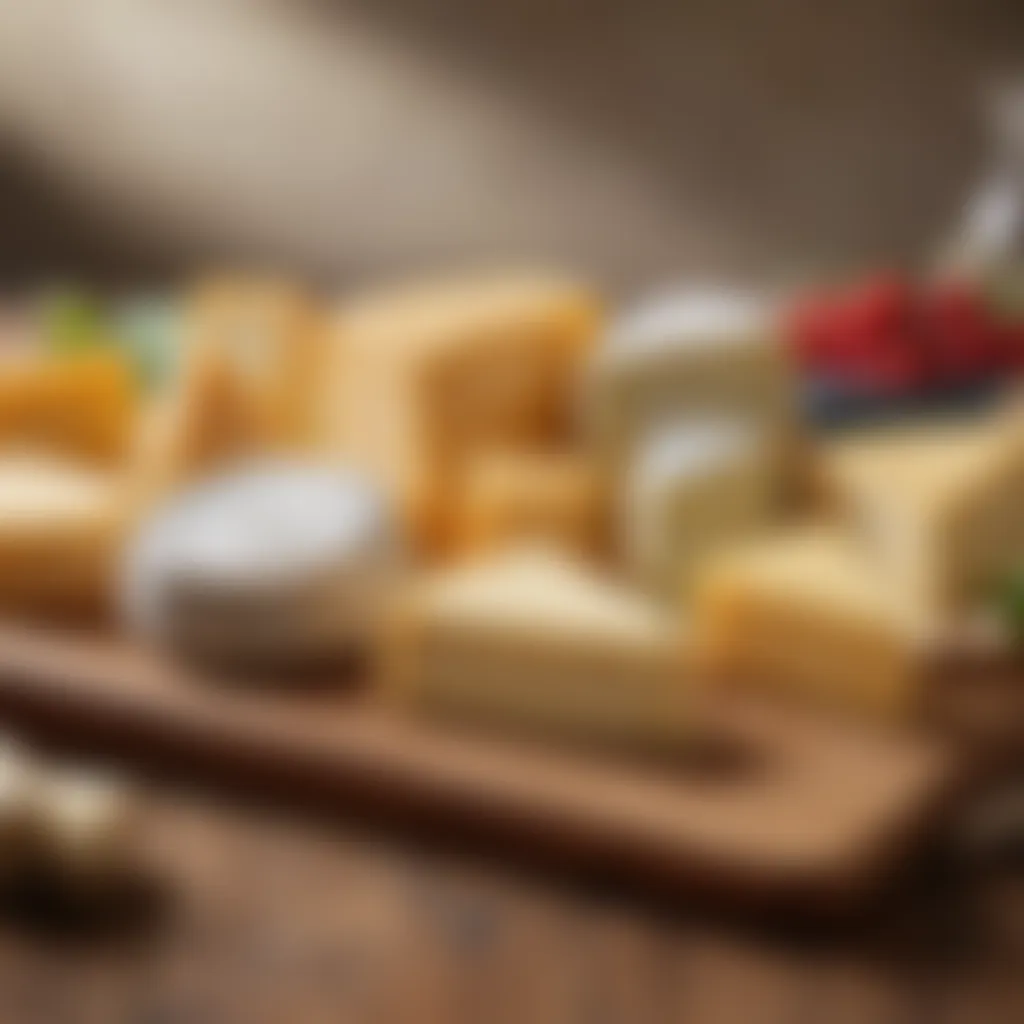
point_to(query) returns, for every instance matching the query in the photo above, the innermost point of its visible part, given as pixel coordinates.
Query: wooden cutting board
(775, 809)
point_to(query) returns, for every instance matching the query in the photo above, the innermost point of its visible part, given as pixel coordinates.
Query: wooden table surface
(268, 917)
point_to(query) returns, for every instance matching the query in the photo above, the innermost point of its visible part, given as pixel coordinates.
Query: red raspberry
(891, 372)
(882, 305)
(966, 341)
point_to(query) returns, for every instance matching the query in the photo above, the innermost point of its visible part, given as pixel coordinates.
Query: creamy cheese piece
(695, 352)
(940, 510)
(691, 487)
(272, 560)
(428, 375)
(809, 614)
(532, 638)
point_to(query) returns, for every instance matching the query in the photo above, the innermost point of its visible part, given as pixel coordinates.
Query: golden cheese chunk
(808, 614)
(514, 495)
(79, 405)
(940, 510)
(426, 375)
(61, 527)
(533, 639)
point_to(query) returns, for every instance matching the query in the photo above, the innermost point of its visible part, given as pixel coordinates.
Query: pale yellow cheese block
(940, 510)
(80, 405)
(427, 374)
(201, 423)
(271, 336)
(248, 382)
(532, 639)
(61, 528)
(808, 614)
(512, 495)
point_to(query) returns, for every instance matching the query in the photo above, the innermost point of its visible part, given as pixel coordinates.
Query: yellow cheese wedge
(79, 405)
(424, 376)
(532, 639)
(61, 526)
(940, 510)
(507, 496)
(808, 614)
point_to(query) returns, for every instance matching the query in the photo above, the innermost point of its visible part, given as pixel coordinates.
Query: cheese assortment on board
(427, 375)
(523, 513)
(534, 638)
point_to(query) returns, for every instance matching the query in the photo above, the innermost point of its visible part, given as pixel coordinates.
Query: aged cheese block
(689, 488)
(273, 561)
(272, 337)
(691, 353)
(61, 527)
(940, 510)
(80, 405)
(808, 614)
(531, 639)
(425, 376)
(514, 495)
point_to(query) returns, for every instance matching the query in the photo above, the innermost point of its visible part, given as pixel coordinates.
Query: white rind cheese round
(698, 352)
(275, 560)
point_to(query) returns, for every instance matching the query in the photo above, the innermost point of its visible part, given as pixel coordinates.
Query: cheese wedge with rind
(533, 640)
(807, 614)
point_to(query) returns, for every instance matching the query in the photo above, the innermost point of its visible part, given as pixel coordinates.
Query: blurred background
(347, 137)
